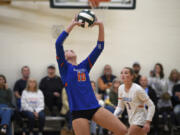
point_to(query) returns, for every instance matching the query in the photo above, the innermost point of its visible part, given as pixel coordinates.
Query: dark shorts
(86, 114)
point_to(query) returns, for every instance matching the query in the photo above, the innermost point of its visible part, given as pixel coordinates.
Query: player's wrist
(99, 23)
(72, 24)
(148, 122)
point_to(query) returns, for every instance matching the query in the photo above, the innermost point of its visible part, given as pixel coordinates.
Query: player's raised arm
(91, 59)
(59, 46)
(60, 52)
(73, 23)
(101, 30)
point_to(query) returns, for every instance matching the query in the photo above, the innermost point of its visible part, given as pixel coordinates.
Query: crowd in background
(49, 98)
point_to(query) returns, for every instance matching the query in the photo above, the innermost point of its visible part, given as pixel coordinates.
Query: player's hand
(97, 22)
(75, 22)
(109, 84)
(146, 127)
(36, 114)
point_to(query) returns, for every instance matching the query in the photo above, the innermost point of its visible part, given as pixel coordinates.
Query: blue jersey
(76, 77)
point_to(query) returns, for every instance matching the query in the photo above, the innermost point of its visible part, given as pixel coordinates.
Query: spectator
(173, 80)
(33, 105)
(176, 102)
(98, 96)
(112, 101)
(20, 85)
(165, 108)
(150, 92)
(152, 95)
(6, 111)
(105, 81)
(93, 125)
(157, 81)
(65, 110)
(52, 86)
(136, 67)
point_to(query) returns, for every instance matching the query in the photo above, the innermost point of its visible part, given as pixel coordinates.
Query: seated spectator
(136, 67)
(33, 106)
(150, 91)
(98, 96)
(52, 86)
(113, 95)
(112, 101)
(173, 80)
(93, 125)
(157, 81)
(165, 108)
(20, 85)
(65, 110)
(152, 95)
(176, 102)
(6, 110)
(105, 81)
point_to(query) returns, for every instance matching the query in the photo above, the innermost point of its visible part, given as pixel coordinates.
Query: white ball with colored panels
(87, 17)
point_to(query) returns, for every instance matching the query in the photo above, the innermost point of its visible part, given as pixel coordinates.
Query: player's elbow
(57, 43)
(102, 47)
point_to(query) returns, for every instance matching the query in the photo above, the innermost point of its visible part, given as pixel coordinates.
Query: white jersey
(135, 101)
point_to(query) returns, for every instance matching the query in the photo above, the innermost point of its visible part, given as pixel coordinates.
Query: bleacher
(52, 124)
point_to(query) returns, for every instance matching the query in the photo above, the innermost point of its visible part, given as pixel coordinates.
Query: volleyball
(87, 17)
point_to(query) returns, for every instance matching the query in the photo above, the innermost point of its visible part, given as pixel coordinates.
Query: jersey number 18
(81, 77)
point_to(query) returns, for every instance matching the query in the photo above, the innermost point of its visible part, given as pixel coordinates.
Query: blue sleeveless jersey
(76, 77)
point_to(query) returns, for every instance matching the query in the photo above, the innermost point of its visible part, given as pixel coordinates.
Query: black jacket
(175, 99)
(152, 95)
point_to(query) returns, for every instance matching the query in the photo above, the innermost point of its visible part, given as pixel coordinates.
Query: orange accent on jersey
(120, 98)
(79, 76)
(90, 64)
(57, 57)
(62, 64)
(83, 76)
(66, 84)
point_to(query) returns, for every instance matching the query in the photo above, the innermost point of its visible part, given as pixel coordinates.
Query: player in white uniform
(133, 97)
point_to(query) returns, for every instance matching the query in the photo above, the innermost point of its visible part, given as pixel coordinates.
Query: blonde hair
(28, 87)
(114, 81)
(171, 74)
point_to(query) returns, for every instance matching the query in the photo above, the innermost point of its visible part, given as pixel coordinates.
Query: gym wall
(147, 35)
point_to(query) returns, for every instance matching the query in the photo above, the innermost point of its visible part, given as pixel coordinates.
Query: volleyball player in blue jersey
(82, 101)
